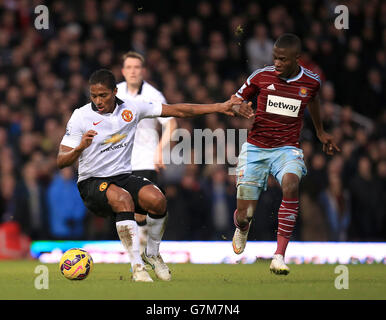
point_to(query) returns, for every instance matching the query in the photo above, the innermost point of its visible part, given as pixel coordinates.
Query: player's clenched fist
(87, 139)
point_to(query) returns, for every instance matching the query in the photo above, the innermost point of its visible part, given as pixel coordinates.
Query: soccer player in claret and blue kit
(283, 92)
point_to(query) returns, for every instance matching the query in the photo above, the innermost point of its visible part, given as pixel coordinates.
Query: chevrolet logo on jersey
(115, 138)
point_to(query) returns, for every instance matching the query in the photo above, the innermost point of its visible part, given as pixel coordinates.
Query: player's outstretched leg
(127, 230)
(288, 212)
(287, 217)
(240, 236)
(278, 266)
(151, 255)
(122, 204)
(153, 201)
(242, 218)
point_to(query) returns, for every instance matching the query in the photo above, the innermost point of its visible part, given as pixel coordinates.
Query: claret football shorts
(256, 164)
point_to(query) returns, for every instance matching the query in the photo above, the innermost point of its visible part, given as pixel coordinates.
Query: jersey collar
(297, 77)
(139, 89)
(117, 101)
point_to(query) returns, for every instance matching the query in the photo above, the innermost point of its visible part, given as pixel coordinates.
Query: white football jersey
(110, 151)
(146, 137)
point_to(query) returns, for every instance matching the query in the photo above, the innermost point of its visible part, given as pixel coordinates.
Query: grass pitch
(195, 282)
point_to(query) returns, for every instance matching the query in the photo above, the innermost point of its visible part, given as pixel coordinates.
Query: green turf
(194, 281)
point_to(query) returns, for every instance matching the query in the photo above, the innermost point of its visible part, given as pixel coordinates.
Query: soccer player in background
(283, 91)
(100, 135)
(146, 158)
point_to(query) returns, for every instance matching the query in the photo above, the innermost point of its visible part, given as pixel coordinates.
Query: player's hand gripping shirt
(110, 151)
(280, 105)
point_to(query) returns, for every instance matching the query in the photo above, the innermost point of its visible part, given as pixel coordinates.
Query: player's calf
(240, 236)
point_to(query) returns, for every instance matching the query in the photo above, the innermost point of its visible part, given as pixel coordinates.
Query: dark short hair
(289, 40)
(105, 77)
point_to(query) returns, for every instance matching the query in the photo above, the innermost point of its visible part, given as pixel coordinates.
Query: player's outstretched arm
(67, 155)
(325, 138)
(170, 126)
(230, 107)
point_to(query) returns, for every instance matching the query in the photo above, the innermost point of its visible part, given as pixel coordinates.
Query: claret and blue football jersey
(280, 105)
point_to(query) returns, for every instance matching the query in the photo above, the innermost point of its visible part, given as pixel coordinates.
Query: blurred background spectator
(198, 52)
(66, 211)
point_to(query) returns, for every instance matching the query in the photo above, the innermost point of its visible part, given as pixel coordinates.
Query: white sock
(155, 231)
(142, 236)
(128, 234)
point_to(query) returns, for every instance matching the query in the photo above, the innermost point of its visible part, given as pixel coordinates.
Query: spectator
(7, 203)
(30, 210)
(373, 97)
(335, 202)
(223, 204)
(259, 48)
(365, 203)
(350, 83)
(66, 212)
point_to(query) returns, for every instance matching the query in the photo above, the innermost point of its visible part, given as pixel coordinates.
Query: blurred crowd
(198, 52)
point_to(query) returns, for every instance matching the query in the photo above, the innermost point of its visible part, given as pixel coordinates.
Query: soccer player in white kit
(146, 157)
(100, 135)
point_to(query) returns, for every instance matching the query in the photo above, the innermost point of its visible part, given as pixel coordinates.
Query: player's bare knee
(290, 185)
(152, 200)
(119, 199)
(159, 204)
(290, 189)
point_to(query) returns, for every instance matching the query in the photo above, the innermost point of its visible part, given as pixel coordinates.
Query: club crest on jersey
(103, 186)
(303, 92)
(127, 115)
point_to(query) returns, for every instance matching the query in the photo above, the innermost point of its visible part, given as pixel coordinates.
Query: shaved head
(289, 40)
(286, 54)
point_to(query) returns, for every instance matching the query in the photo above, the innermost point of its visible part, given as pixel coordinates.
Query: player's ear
(115, 91)
(298, 56)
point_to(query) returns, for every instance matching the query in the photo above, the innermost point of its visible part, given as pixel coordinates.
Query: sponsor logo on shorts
(103, 186)
(283, 106)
